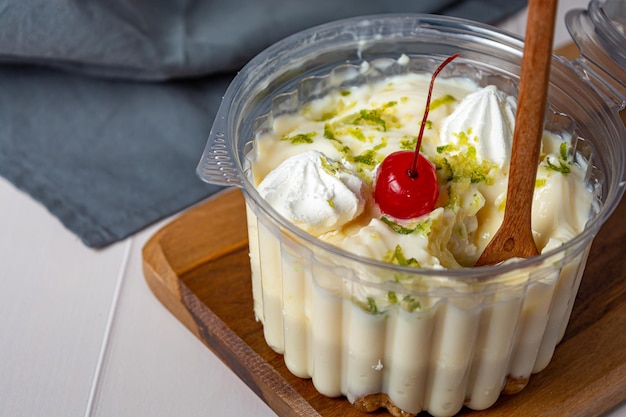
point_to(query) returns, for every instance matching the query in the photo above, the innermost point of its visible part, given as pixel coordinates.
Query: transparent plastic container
(468, 334)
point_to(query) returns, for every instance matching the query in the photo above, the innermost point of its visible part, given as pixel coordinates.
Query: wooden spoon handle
(531, 108)
(514, 237)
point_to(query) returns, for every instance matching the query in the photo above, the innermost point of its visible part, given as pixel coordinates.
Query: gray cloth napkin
(105, 106)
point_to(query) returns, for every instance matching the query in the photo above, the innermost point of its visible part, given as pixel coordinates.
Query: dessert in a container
(387, 310)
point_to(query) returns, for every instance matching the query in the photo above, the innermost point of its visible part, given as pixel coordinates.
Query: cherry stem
(412, 172)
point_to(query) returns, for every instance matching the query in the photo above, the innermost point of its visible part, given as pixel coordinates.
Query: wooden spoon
(514, 238)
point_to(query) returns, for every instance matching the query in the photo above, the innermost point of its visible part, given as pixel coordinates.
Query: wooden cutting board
(198, 267)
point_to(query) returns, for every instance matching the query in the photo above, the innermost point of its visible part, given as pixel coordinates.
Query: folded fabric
(105, 106)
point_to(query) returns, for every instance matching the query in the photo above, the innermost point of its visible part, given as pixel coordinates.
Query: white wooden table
(82, 335)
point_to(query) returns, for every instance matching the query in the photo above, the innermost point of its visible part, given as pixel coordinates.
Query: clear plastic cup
(446, 338)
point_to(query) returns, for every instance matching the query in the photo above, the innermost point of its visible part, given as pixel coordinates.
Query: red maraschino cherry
(406, 185)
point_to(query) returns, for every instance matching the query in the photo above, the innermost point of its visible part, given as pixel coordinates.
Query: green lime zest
(478, 175)
(328, 167)
(421, 227)
(372, 117)
(357, 134)
(381, 145)
(563, 151)
(408, 302)
(300, 138)
(329, 132)
(392, 297)
(443, 166)
(438, 102)
(445, 148)
(408, 144)
(454, 165)
(327, 115)
(396, 227)
(397, 257)
(369, 305)
(367, 158)
(379, 117)
(540, 182)
(562, 167)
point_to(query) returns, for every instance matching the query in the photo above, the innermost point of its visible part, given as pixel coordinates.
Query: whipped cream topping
(486, 120)
(313, 191)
